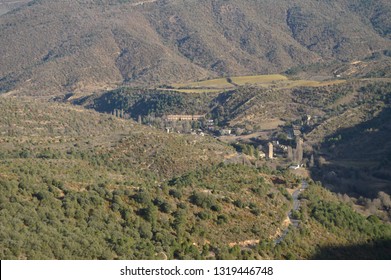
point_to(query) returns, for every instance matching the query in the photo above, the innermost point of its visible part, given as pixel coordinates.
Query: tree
(299, 150)
(385, 200)
(312, 161)
(321, 161)
(150, 214)
(256, 154)
(186, 126)
(290, 153)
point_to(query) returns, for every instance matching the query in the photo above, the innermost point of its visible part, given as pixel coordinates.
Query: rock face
(51, 46)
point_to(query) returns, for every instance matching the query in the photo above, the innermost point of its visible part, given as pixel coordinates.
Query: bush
(175, 193)
(203, 215)
(202, 200)
(240, 204)
(222, 219)
(216, 208)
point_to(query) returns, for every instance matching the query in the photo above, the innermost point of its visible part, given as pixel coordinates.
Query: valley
(195, 130)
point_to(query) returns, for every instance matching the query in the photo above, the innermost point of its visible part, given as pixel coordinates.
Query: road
(296, 206)
(143, 2)
(293, 222)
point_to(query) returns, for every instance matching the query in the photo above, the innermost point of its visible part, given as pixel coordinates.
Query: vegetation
(94, 184)
(90, 186)
(106, 45)
(357, 146)
(139, 102)
(331, 229)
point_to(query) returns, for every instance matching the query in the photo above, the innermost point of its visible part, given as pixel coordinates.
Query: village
(285, 144)
(281, 147)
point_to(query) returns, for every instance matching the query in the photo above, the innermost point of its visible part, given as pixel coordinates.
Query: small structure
(262, 154)
(295, 167)
(307, 119)
(184, 117)
(270, 151)
(225, 132)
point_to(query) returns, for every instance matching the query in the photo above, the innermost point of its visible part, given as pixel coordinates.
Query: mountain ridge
(54, 47)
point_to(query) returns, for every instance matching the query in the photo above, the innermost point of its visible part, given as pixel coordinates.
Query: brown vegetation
(49, 46)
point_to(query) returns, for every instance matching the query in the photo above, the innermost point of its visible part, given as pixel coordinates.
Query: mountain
(49, 47)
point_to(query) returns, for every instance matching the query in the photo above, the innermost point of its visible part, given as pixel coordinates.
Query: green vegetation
(139, 102)
(331, 229)
(344, 119)
(76, 184)
(232, 82)
(356, 141)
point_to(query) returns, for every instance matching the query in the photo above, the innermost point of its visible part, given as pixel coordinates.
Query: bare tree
(312, 161)
(385, 200)
(290, 153)
(299, 150)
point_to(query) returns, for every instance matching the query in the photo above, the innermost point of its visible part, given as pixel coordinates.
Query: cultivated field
(275, 80)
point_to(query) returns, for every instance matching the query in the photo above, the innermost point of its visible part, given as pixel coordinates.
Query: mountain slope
(74, 185)
(9, 5)
(48, 47)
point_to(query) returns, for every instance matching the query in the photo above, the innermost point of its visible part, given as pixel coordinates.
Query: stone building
(185, 117)
(270, 151)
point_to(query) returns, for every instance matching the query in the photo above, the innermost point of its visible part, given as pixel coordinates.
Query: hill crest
(52, 47)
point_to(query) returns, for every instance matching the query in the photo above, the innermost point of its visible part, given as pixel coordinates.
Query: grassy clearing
(221, 83)
(271, 124)
(282, 82)
(309, 83)
(195, 90)
(259, 79)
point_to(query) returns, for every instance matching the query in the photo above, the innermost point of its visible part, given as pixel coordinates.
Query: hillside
(9, 5)
(69, 136)
(347, 131)
(93, 164)
(76, 184)
(53, 47)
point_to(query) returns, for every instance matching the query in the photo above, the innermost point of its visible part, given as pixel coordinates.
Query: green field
(212, 84)
(276, 80)
(223, 83)
(309, 83)
(194, 90)
(259, 80)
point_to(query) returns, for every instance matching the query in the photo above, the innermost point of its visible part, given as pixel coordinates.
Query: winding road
(296, 206)
(294, 222)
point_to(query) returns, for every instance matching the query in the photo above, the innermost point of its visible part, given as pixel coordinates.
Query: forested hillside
(284, 151)
(76, 184)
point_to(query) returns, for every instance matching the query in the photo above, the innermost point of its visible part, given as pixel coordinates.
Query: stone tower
(270, 150)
